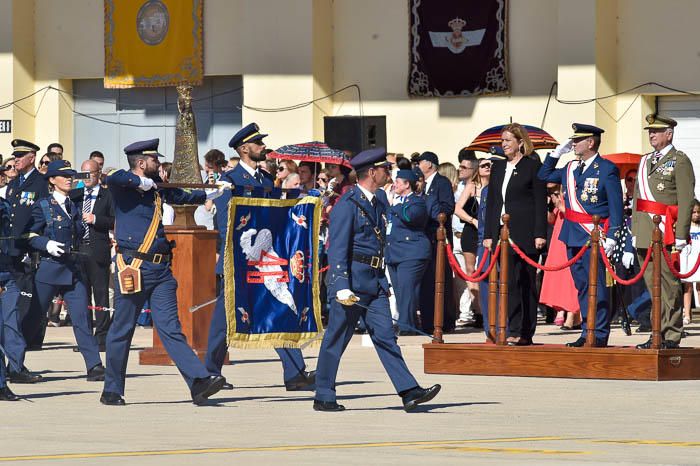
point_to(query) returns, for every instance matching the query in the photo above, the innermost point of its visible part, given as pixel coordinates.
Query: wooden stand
(588, 362)
(193, 267)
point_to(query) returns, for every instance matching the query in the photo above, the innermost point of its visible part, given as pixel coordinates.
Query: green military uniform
(671, 181)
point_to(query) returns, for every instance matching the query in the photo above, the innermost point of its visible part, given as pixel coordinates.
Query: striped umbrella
(314, 151)
(540, 138)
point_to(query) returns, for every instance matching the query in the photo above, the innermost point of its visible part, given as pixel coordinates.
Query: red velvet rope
(632, 280)
(454, 265)
(551, 268)
(676, 273)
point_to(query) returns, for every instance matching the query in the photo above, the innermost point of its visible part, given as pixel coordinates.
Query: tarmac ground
(474, 420)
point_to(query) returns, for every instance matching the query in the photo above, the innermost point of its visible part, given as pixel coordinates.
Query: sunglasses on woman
(281, 169)
(44, 162)
(322, 179)
(485, 165)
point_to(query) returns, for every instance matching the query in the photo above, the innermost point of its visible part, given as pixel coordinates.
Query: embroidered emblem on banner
(152, 22)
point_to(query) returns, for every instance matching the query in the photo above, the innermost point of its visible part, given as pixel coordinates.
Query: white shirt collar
(246, 167)
(587, 163)
(367, 194)
(666, 149)
(29, 173)
(429, 181)
(61, 199)
(95, 189)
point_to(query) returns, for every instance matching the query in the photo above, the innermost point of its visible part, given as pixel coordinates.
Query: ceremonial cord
(677, 273)
(457, 269)
(549, 268)
(622, 281)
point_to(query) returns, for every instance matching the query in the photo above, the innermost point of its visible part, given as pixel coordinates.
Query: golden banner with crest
(153, 43)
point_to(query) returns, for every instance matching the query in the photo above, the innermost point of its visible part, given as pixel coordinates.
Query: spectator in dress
(688, 259)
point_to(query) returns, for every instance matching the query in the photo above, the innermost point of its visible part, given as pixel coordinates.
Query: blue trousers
(160, 287)
(579, 272)
(341, 323)
(11, 337)
(406, 279)
(291, 358)
(75, 296)
(484, 288)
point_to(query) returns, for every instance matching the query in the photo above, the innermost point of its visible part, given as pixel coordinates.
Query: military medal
(660, 187)
(594, 199)
(595, 164)
(584, 196)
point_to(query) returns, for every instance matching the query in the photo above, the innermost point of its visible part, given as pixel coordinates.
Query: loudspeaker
(354, 133)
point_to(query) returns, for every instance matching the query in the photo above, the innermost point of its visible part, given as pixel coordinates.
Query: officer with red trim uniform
(665, 186)
(590, 186)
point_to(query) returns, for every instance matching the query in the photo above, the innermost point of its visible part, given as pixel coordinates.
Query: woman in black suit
(515, 190)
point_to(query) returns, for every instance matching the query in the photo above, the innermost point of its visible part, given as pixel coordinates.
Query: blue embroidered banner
(271, 272)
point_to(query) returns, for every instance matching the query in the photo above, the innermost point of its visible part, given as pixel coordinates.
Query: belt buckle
(157, 258)
(375, 262)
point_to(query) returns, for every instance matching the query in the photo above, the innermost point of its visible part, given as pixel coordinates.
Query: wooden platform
(618, 363)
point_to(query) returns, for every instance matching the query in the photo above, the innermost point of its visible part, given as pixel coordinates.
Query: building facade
(268, 54)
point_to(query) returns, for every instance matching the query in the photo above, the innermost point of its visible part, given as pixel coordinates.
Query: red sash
(578, 217)
(657, 208)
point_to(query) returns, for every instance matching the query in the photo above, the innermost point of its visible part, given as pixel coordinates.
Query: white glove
(627, 259)
(213, 193)
(609, 245)
(147, 183)
(55, 248)
(346, 297)
(680, 244)
(562, 149)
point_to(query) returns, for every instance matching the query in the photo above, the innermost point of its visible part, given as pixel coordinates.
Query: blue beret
(248, 133)
(408, 175)
(60, 168)
(149, 147)
(429, 157)
(21, 147)
(585, 131)
(375, 157)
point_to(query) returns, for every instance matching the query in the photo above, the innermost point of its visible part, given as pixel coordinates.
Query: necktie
(258, 176)
(67, 204)
(21, 179)
(655, 159)
(374, 206)
(87, 207)
(579, 169)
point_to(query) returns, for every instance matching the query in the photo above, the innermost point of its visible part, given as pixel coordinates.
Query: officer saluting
(22, 193)
(665, 187)
(590, 186)
(408, 248)
(358, 283)
(143, 272)
(56, 231)
(248, 143)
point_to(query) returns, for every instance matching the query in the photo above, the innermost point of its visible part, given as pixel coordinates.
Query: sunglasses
(10, 167)
(44, 162)
(553, 193)
(281, 169)
(322, 179)
(485, 165)
(631, 179)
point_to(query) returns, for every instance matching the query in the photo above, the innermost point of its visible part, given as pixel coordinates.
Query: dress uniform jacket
(22, 198)
(292, 359)
(64, 274)
(407, 239)
(11, 338)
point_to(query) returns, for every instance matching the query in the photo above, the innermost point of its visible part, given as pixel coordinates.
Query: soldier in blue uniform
(590, 186)
(9, 292)
(22, 193)
(407, 248)
(55, 231)
(360, 288)
(143, 262)
(248, 143)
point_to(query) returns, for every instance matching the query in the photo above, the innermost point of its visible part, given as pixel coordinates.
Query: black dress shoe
(112, 399)
(419, 395)
(7, 395)
(643, 329)
(520, 342)
(226, 385)
(23, 376)
(329, 406)
(666, 344)
(577, 344)
(206, 387)
(566, 327)
(303, 381)
(96, 374)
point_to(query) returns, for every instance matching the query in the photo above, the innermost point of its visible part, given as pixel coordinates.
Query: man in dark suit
(22, 193)
(95, 203)
(439, 198)
(248, 143)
